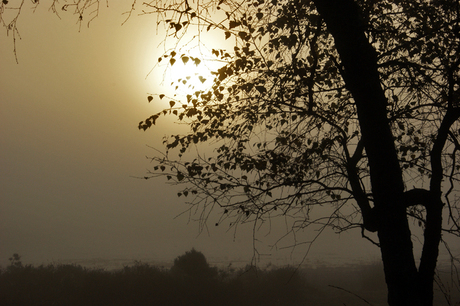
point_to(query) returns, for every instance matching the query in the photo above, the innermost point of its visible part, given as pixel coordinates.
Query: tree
(351, 105)
(193, 264)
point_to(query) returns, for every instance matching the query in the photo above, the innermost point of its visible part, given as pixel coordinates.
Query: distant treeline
(190, 281)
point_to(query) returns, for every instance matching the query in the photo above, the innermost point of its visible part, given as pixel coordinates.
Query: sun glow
(191, 71)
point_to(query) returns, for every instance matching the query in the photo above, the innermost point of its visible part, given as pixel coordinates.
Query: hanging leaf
(242, 35)
(150, 98)
(234, 24)
(185, 59)
(172, 61)
(162, 96)
(261, 89)
(171, 103)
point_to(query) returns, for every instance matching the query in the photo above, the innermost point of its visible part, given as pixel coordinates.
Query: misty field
(191, 281)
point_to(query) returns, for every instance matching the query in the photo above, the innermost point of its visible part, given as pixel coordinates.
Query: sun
(191, 71)
(184, 69)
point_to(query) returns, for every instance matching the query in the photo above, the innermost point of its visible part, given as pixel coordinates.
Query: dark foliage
(143, 284)
(193, 264)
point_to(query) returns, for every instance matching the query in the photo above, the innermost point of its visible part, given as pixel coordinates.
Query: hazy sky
(70, 148)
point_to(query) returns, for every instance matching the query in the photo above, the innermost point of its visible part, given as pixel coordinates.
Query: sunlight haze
(72, 153)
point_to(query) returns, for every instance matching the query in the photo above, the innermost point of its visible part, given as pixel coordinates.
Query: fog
(71, 152)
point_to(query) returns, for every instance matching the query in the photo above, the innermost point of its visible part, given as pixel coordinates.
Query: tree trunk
(361, 76)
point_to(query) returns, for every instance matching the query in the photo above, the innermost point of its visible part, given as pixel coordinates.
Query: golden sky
(70, 148)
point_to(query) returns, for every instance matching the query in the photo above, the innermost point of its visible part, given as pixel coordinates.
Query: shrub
(193, 264)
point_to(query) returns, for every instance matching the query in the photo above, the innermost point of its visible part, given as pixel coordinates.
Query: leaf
(197, 61)
(171, 103)
(162, 96)
(185, 59)
(234, 24)
(242, 35)
(150, 98)
(261, 89)
(227, 35)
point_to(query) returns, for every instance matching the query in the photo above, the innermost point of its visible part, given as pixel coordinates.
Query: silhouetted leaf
(261, 89)
(234, 24)
(243, 35)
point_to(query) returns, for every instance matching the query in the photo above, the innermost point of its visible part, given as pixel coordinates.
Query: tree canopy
(284, 122)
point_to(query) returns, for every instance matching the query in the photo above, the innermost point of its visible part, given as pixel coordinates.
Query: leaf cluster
(282, 123)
